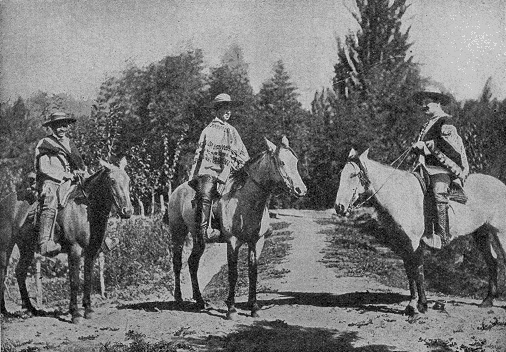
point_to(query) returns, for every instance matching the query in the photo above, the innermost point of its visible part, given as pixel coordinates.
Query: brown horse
(398, 198)
(243, 216)
(80, 229)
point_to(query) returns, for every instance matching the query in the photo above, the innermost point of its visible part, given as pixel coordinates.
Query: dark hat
(224, 99)
(57, 117)
(431, 93)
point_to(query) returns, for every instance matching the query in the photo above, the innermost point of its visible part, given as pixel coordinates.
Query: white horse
(398, 199)
(243, 218)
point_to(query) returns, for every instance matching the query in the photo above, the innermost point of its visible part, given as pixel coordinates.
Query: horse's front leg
(253, 254)
(416, 279)
(89, 262)
(193, 266)
(484, 244)
(74, 258)
(232, 256)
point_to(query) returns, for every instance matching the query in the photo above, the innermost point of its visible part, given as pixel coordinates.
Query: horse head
(119, 185)
(353, 182)
(286, 173)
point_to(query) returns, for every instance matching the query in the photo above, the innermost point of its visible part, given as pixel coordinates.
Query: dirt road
(308, 309)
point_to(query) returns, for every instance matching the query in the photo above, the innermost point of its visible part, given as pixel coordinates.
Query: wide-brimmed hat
(431, 93)
(57, 117)
(224, 99)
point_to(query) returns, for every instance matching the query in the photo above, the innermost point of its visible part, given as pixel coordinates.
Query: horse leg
(74, 259)
(483, 242)
(414, 271)
(89, 261)
(178, 237)
(5, 254)
(232, 255)
(193, 265)
(26, 254)
(253, 254)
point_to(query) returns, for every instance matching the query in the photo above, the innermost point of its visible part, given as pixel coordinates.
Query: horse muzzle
(341, 210)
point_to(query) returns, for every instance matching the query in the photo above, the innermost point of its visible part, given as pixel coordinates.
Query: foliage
(143, 256)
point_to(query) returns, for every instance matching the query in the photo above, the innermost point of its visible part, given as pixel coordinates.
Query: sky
(67, 46)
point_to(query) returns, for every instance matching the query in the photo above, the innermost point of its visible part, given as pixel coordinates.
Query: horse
(80, 229)
(243, 218)
(398, 198)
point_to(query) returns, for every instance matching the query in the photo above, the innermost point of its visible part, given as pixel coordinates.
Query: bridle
(361, 173)
(286, 184)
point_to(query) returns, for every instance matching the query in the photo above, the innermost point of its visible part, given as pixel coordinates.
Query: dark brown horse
(80, 229)
(243, 216)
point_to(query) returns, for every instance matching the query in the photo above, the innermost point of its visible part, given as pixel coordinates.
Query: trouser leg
(440, 187)
(205, 192)
(48, 219)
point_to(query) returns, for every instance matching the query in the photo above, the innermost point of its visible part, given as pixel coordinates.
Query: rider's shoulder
(448, 129)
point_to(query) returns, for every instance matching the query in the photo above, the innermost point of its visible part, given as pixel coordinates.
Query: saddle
(456, 192)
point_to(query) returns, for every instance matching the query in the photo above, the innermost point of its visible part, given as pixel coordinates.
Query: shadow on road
(367, 301)
(268, 336)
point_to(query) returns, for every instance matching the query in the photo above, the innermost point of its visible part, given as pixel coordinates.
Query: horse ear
(271, 146)
(353, 154)
(104, 164)
(122, 163)
(284, 142)
(365, 155)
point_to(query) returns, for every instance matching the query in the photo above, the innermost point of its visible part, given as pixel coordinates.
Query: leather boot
(47, 245)
(442, 226)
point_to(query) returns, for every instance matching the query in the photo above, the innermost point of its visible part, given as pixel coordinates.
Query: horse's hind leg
(482, 237)
(193, 265)
(5, 254)
(26, 253)
(178, 237)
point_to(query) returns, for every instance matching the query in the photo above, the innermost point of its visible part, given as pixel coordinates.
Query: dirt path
(308, 309)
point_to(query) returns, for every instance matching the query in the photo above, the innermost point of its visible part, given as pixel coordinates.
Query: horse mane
(87, 183)
(239, 177)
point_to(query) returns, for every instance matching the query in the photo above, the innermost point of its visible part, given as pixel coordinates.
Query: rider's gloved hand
(420, 145)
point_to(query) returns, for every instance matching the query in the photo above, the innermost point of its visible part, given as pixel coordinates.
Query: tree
(370, 103)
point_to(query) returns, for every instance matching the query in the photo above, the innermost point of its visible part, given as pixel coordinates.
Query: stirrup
(50, 249)
(433, 241)
(213, 235)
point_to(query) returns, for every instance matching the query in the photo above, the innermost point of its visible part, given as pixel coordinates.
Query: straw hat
(224, 99)
(431, 93)
(57, 117)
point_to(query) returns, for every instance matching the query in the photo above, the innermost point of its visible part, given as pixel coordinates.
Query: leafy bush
(143, 256)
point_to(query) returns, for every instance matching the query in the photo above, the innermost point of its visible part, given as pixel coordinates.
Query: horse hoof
(422, 307)
(232, 316)
(413, 318)
(487, 303)
(77, 319)
(410, 311)
(89, 314)
(254, 314)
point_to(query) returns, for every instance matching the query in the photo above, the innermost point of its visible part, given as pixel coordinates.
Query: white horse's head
(353, 182)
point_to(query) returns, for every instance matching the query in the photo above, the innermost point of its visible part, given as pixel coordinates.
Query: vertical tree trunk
(141, 207)
(162, 204)
(153, 203)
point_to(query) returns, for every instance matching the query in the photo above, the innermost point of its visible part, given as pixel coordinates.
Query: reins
(364, 179)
